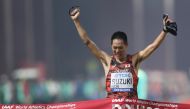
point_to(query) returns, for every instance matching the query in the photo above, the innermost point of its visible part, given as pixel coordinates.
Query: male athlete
(121, 68)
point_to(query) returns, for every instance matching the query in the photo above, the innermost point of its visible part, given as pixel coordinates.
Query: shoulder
(106, 58)
(136, 59)
(136, 56)
(106, 63)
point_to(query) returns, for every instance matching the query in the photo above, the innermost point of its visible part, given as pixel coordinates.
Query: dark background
(41, 31)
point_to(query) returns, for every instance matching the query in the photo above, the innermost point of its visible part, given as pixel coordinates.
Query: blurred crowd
(159, 86)
(49, 91)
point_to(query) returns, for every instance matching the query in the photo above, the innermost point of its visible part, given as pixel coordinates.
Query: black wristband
(165, 29)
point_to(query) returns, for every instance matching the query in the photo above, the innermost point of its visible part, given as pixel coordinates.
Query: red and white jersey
(122, 80)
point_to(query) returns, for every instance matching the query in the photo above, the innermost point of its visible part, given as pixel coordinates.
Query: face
(119, 48)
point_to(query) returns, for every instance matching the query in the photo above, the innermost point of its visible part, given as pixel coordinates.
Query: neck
(122, 59)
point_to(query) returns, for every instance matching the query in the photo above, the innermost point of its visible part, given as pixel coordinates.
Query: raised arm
(143, 54)
(152, 47)
(101, 55)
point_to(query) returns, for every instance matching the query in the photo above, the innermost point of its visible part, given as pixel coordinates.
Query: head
(119, 44)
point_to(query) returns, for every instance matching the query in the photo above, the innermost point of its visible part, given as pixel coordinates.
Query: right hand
(74, 13)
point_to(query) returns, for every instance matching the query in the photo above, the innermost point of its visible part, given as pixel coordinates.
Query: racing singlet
(122, 80)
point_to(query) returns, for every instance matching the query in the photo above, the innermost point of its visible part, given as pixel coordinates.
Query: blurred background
(43, 60)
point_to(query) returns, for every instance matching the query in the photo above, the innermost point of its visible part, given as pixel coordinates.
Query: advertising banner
(102, 104)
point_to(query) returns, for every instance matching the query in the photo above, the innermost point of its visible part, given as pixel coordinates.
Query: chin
(118, 56)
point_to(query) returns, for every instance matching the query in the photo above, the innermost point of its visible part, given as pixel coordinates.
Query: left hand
(169, 25)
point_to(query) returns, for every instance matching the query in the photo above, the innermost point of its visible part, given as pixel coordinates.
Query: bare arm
(153, 46)
(101, 55)
(145, 53)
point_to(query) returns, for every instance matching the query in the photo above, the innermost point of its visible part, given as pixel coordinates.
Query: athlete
(121, 68)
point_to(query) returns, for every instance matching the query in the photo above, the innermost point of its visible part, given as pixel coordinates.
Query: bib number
(122, 82)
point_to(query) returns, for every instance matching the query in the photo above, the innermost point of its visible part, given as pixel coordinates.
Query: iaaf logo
(7, 106)
(22, 107)
(130, 106)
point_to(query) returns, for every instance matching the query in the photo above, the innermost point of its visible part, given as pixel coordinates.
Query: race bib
(122, 82)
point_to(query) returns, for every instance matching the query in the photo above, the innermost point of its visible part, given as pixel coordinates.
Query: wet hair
(119, 35)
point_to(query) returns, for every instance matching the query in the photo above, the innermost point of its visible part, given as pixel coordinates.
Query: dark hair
(119, 35)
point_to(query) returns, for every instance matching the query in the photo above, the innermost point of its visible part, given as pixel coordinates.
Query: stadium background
(43, 59)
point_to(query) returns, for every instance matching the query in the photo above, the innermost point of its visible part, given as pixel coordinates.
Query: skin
(119, 48)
